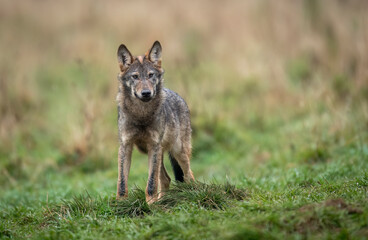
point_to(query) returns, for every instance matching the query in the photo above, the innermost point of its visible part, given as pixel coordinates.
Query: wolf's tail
(178, 172)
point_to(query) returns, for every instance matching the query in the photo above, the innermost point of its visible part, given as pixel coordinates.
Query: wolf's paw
(160, 195)
(151, 199)
(189, 177)
(121, 197)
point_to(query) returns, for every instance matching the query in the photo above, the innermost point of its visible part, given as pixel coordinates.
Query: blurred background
(270, 86)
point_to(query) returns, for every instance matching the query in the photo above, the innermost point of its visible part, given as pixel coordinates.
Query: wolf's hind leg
(178, 172)
(183, 159)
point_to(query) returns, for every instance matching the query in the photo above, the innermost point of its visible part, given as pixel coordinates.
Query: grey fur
(155, 124)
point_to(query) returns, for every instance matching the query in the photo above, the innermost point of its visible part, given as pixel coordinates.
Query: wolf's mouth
(146, 99)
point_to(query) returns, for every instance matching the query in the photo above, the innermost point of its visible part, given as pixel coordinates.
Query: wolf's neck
(141, 112)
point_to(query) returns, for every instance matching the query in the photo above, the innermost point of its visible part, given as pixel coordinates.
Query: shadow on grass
(207, 196)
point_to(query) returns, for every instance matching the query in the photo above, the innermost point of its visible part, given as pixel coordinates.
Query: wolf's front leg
(154, 159)
(125, 156)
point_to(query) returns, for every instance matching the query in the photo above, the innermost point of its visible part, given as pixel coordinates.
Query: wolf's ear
(125, 58)
(154, 54)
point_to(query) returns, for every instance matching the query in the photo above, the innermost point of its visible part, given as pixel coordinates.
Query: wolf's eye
(150, 75)
(135, 76)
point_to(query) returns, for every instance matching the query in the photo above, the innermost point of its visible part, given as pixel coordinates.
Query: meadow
(278, 94)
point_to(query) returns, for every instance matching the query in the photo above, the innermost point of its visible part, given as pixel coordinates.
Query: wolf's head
(141, 76)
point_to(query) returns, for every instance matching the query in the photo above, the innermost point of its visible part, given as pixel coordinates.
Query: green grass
(262, 173)
(298, 173)
(324, 199)
(278, 107)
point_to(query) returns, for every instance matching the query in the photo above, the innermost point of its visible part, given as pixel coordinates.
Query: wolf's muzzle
(145, 96)
(146, 93)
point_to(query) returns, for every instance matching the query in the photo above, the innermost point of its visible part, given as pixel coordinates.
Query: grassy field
(279, 100)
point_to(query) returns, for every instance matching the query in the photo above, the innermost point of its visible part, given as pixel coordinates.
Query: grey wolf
(152, 118)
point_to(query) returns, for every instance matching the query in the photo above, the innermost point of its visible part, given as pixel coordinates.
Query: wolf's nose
(146, 93)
